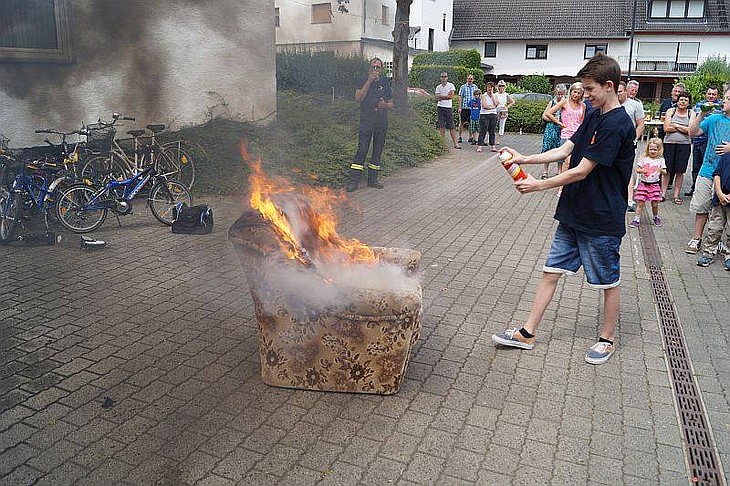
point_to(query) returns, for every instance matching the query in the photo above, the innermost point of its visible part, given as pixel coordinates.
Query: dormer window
(676, 9)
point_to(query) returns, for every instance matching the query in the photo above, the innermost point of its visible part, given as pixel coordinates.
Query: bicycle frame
(131, 186)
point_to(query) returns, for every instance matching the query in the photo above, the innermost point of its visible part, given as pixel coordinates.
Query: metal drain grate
(702, 459)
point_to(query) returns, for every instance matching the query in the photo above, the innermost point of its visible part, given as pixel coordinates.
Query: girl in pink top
(572, 111)
(650, 167)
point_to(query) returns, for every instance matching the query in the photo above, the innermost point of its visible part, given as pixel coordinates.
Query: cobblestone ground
(138, 363)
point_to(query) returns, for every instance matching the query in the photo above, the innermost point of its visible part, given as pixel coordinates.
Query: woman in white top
(488, 117)
(505, 102)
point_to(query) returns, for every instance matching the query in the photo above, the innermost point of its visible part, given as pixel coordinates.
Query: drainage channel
(699, 446)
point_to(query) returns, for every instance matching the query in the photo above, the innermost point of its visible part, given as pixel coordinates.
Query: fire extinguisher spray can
(514, 170)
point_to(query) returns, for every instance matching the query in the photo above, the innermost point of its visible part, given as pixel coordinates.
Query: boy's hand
(724, 199)
(526, 186)
(517, 157)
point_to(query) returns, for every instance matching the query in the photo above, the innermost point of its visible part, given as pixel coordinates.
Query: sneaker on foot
(657, 221)
(693, 246)
(513, 338)
(460, 140)
(705, 260)
(635, 223)
(727, 264)
(632, 207)
(599, 353)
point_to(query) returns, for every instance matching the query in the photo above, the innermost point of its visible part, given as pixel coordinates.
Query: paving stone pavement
(138, 363)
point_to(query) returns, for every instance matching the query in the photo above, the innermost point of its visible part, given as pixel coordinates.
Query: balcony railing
(659, 65)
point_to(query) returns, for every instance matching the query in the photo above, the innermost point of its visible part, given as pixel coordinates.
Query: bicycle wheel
(99, 167)
(175, 163)
(72, 211)
(10, 212)
(164, 196)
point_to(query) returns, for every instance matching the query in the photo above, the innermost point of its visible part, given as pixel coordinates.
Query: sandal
(457, 146)
(678, 201)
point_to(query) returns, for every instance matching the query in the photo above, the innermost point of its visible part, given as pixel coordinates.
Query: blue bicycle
(82, 208)
(29, 193)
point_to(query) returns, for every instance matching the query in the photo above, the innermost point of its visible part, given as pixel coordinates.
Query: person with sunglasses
(376, 98)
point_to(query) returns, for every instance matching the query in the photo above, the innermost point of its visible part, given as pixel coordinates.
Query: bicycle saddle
(156, 128)
(136, 133)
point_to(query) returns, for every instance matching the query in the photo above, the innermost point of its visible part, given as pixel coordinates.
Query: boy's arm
(574, 174)
(694, 124)
(552, 155)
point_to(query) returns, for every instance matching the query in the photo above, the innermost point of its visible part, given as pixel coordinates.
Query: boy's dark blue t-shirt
(597, 204)
(723, 171)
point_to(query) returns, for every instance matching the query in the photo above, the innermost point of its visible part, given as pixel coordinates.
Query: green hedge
(319, 72)
(427, 77)
(526, 115)
(536, 83)
(469, 58)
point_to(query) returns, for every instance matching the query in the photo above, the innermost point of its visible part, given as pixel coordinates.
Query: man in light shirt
(635, 110)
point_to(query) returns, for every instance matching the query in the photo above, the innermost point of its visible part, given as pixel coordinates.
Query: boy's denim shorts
(599, 256)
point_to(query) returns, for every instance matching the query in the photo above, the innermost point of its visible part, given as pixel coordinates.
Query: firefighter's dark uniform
(373, 125)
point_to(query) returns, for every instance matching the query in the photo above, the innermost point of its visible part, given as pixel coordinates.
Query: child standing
(650, 167)
(719, 214)
(475, 105)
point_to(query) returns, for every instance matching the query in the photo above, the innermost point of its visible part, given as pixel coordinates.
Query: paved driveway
(138, 363)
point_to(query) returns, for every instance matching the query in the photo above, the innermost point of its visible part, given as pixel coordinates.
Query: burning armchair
(329, 318)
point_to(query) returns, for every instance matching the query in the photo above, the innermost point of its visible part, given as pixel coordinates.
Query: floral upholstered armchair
(320, 334)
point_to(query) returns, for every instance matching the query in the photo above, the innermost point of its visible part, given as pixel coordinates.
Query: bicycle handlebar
(56, 132)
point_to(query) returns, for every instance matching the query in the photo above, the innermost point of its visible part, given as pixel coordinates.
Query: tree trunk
(400, 54)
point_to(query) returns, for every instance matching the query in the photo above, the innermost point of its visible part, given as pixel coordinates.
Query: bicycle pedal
(87, 243)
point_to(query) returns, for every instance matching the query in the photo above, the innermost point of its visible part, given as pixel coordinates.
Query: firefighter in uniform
(375, 97)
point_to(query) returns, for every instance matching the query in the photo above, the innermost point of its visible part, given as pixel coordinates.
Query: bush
(314, 142)
(319, 72)
(427, 76)
(536, 83)
(469, 58)
(714, 71)
(527, 116)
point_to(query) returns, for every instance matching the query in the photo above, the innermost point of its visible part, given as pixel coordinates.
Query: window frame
(385, 15)
(668, 16)
(277, 17)
(596, 50)
(538, 49)
(486, 53)
(60, 54)
(320, 6)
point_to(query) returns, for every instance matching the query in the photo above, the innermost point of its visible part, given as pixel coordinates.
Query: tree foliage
(714, 71)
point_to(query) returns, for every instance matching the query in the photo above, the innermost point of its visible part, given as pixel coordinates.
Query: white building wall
(565, 58)
(177, 64)
(296, 26)
(429, 14)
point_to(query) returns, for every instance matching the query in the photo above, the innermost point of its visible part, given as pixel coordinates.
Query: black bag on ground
(195, 220)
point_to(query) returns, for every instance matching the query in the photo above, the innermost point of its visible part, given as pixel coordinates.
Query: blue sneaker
(705, 261)
(599, 353)
(727, 264)
(513, 338)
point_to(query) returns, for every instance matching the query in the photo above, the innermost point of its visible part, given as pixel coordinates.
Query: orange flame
(304, 219)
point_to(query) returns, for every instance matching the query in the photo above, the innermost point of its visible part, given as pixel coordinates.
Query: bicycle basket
(99, 136)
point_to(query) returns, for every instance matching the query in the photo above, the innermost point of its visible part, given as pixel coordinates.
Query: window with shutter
(34, 30)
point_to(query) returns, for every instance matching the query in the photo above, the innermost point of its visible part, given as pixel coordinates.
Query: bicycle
(82, 208)
(28, 195)
(169, 159)
(30, 179)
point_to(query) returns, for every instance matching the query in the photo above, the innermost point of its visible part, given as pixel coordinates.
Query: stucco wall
(168, 61)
